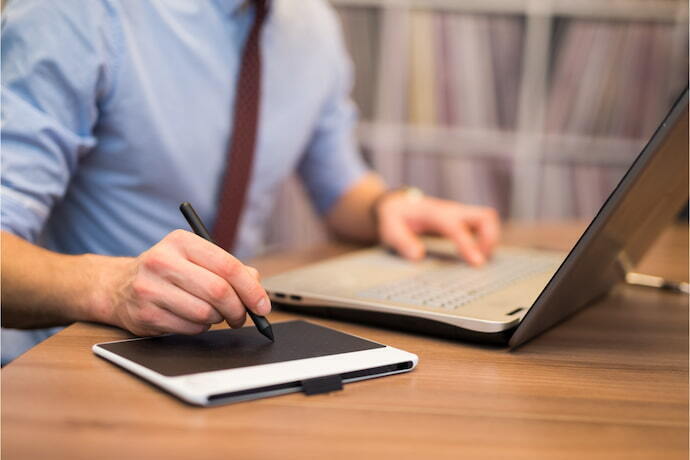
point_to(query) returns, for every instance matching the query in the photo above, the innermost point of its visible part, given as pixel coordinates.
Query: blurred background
(534, 107)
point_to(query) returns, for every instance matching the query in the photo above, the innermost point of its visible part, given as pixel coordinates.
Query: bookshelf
(566, 78)
(663, 10)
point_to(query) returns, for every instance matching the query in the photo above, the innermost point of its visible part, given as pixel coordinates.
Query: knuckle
(238, 320)
(214, 317)
(176, 236)
(204, 315)
(231, 267)
(142, 289)
(236, 312)
(155, 260)
(218, 291)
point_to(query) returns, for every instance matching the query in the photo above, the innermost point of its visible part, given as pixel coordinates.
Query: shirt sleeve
(53, 75)
(332, 162)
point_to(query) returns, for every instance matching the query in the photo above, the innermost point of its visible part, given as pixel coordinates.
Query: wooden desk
(610, 383)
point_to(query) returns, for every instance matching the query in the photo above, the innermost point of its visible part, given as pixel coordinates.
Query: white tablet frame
(208, 388)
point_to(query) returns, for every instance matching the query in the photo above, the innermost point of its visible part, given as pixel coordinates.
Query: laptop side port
(517, 310)
(298, 298)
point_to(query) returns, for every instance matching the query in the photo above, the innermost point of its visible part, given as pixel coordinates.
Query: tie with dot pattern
(243, 142)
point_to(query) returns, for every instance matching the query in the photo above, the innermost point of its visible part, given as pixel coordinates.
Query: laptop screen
(648, 197)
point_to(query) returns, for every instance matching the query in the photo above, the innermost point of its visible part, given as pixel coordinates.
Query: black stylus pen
(199, 228)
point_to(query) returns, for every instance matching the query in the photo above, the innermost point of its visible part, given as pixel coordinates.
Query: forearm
(182, 284)
(41, 288)
(352, 217)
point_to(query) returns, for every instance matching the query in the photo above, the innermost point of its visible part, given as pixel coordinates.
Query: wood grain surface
(612, 382)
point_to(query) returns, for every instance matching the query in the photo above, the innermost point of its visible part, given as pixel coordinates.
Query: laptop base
(403, 323)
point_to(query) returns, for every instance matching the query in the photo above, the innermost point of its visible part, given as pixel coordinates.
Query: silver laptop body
(520, 292)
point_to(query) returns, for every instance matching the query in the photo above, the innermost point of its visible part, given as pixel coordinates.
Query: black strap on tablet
(321, 385)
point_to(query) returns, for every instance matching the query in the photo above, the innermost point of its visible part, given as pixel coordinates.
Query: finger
(227, 302)
(236, 315)
(157, 320)
(187, 305)
(398, 235)
(222, 302)
(220, 295)
(211, 257)
(254, 272)
(487, 226)
(216, 292)
(466, 245)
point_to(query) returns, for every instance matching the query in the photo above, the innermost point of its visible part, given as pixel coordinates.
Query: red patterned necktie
(242, 145)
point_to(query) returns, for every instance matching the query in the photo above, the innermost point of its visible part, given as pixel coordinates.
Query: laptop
(520, 292)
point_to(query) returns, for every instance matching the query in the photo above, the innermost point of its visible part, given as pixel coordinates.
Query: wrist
(104, 281)
(407, 193)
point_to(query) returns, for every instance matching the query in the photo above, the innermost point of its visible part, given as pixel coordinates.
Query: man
(114, 112)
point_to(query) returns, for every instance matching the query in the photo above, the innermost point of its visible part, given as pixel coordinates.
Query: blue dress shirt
(114, 112)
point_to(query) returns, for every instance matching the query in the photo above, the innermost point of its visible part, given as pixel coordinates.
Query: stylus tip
(268, 332)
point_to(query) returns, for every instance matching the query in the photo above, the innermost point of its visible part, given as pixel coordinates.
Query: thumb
(397, 234)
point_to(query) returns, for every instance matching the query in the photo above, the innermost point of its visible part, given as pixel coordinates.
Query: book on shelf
(360, 29)
(439, 92)
(608, 80)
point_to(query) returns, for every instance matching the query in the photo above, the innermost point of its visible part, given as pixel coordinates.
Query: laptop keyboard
(453, 286)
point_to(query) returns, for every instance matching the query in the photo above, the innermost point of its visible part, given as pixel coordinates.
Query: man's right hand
(183, 284)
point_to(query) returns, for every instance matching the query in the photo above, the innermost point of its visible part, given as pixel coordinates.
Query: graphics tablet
(231, 365)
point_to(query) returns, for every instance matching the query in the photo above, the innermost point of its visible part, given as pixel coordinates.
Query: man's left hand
(475, 230)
